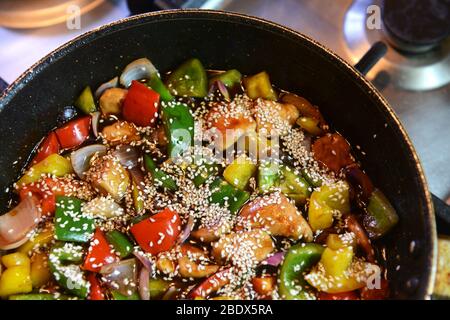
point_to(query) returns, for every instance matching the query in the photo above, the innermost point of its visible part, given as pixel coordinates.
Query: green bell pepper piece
(179, 127)
(297, 261)
(157, 85)
(40, 296)
(294, 186)
(160, 178)
(64, 260)
(118, 296)
(205, 171)
(70, 223)
(312, 180)
(189, 80)
(54, 164)
(85, 101)
(239, 172)
(157, 288)
(120, 242)
(222, 192)
(380, 216)
(229, 78)
(268, 176)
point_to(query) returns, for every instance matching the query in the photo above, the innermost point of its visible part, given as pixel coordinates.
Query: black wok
(30, 106)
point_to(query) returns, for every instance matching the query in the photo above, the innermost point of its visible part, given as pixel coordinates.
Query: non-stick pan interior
(223, 41)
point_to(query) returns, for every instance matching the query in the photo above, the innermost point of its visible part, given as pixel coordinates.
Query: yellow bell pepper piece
(40, 240)
(336, 241)
(239, 172)
(16, 259)
(16, 278)
(54, 164)
(40, 272)
(326, 202)
(337, 261)
(356, 277)
(259, 86)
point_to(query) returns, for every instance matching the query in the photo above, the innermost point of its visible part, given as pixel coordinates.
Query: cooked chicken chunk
(120, 132)
(111, 101)
(230, 121)
(108, 176)
(277, 215)
(255, 244)
(272, 115)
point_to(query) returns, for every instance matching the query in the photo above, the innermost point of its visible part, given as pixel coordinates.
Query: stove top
(416, 85)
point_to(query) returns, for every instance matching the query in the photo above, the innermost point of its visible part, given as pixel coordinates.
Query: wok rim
(267, 25)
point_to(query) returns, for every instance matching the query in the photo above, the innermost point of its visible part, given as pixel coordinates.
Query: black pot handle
(3, 85)
(375, 53)
(442, 210)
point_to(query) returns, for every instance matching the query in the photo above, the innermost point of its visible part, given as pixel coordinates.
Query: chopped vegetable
(49, 146)
(40, 272)
(70, 223)
(64, 260)
(239, 172)
(229, 78)
(95, 290)
(157, 85)
(157, 233)
(259, 86)
(85, 101)
(99, 253)
(189, 80)
(294, 185)
(160, 178)
(310, 125)
(298, 260)
(16, 225)
(179, 127)
(54, 164)
(268, 176)
(74, 133)
(120, 242)
(327, 202)
(222, 192)
(42, 239)
(380, 216)
(141, 105)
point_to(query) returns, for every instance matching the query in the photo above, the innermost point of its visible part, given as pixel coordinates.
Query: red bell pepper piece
(141, 105)
(350, 295)
(376, 294)
(210, 285)
(157, 233)
(46, 191)
(99, 253)
(49, 146)
(95, 290)
(74, 133)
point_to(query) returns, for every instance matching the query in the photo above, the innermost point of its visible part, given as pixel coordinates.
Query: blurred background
(414, 75)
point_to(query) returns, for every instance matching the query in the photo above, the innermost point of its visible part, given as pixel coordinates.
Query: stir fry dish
(193, 184)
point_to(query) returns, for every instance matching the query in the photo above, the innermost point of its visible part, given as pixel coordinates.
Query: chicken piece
(195, 263)
(332, 151)
(108, 176)
(191, 262)
(277, 215)
(120, 132)
(111, 101)
(230, 121)
(272, 115)
(234, 247)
